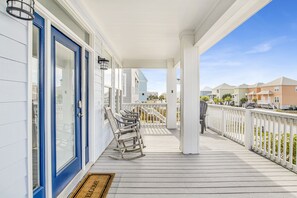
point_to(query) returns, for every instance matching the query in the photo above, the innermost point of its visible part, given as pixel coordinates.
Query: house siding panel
(103, 135)
(12, 70)
(289, 95)
(13, 106)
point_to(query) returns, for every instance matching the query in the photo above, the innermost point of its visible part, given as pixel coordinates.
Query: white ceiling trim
(77, 7)
(239, 12)
(144, 63)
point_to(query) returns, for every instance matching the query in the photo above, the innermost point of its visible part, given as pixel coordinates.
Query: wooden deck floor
(223, 169)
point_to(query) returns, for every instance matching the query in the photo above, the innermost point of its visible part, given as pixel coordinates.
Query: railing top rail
(145, 104)
(274, 114)
(258, 111)
(227, 107)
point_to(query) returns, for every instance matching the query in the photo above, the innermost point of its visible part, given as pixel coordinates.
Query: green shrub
(277, 139)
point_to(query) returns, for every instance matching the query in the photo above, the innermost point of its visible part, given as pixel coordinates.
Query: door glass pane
(65, 106)
(35, 108)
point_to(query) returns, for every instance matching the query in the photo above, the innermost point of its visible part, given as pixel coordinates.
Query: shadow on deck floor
(222, 169)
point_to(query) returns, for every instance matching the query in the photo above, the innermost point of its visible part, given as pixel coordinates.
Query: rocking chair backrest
(203, 109)
(111, 119)
(123, 113)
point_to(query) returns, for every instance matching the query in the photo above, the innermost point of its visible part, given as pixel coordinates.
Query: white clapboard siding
(13, 91)
(17, 168)
(13, 105)
(12, 112)
(13, 50)
(12, 133)
(103, 135)
(6, 30)
(13, 71)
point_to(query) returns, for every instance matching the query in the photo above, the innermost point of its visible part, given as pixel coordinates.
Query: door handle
(80, 115)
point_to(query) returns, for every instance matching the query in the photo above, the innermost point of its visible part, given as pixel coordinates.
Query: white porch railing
(270, 134)
(178, 114)
(150, 114)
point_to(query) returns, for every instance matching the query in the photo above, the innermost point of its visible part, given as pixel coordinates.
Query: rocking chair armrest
(125, 123)
(129, 126)
(129, 119)
(126, 130)
(131, 112)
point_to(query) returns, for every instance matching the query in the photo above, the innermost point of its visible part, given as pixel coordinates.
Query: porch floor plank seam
(222, 169)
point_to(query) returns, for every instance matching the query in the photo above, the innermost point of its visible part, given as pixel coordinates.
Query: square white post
(190, 94)
(171, 95)
(249, 130)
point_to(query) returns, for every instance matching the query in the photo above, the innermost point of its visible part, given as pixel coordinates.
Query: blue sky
(260, 50)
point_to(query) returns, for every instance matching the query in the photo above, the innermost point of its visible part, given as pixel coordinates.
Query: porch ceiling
(147, 31)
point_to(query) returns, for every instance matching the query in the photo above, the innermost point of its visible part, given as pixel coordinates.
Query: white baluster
(291, 144)
(284, 161)
(269, 136)
(274, 140)
(279, 141)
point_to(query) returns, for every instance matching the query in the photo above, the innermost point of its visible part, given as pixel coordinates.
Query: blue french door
(87, 62)
(66, 110)
(38, 129)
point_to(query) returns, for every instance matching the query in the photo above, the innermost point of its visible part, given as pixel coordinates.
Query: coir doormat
(94, 185)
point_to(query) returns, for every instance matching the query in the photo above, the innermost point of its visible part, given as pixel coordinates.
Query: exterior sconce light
(21, 9)
(103, 63)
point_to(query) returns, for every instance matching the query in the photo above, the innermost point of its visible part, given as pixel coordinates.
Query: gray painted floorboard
(222, 169)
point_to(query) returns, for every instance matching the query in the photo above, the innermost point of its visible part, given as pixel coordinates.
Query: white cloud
(267, 46)
(264, 47)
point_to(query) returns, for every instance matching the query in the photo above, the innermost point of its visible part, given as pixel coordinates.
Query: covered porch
(223, 168)
(55, 87)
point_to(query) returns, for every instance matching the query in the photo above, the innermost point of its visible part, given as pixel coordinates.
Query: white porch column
(171, 95)
(190, 94)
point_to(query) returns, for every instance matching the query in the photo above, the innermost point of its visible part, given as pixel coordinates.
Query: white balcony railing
(270, 134)
(150, 114)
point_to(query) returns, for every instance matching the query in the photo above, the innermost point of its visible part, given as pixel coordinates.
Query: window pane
(106, 96)
(35, 109)
(65, 112)
(116, 78)
(120, 79)
(116, 100)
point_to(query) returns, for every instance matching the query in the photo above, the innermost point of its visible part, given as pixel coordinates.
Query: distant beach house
(222, 89)
(239, 93)
(281, 92)
(135, 86)
(206, 91)
(142, 87)
(252, 92)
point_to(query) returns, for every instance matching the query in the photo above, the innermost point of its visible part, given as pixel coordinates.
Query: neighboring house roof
(224, 86)
(243, 86)
(256, 85)
(265, 92)
(207, 89)
(281, 81)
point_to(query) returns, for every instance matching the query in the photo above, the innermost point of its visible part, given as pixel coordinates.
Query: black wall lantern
(103, 63)
(21, 9)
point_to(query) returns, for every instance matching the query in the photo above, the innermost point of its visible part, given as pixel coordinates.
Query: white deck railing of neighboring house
(268, 133)
(150, 114)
